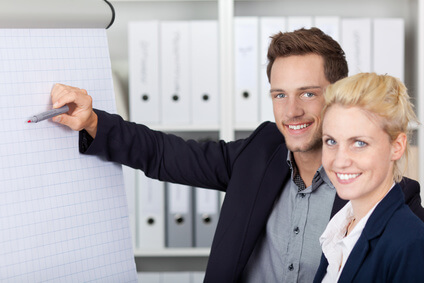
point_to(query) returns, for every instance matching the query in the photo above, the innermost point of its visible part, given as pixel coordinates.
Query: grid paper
(63, 215)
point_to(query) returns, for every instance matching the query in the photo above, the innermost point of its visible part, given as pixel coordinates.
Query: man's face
(297, 92)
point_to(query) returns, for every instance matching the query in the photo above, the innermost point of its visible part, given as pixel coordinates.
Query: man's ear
(399, 146)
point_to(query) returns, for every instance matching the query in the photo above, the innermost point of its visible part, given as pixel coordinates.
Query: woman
(375, 237)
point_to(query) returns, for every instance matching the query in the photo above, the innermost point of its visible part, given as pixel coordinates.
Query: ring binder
(179, 222)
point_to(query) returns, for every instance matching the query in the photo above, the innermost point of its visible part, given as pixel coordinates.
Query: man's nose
(294, 108)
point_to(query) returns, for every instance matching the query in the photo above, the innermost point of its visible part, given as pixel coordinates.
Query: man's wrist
(92, 125)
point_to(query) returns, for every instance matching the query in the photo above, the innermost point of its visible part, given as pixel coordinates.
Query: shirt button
(291, 267)
(302, 195)
(296, 230)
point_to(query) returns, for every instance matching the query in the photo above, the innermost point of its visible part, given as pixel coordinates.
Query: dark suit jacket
(251, 171)
(390, 248)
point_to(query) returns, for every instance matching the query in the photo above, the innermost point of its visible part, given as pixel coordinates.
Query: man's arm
(161, 156)
(411, 190)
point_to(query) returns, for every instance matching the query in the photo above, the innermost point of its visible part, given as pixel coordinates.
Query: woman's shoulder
(404, 227)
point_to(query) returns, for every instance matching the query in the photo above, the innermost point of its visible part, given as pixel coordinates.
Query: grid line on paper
(39, 187)
(37, 151)
(88, 258)
(71, 239)
(70, 182)
(52, 175)
(61, 213)
(100, 279)
(61, 218)
(70, 251)
(106, 277)
(43, 163)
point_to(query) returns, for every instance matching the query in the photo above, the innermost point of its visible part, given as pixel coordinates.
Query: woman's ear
(399, 146)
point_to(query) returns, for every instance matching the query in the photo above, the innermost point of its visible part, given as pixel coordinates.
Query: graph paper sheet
(63, 215)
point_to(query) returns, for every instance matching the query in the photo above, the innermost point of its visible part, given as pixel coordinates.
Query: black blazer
(252, 172)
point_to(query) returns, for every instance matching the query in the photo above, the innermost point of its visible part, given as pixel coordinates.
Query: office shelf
(412, 11)
(173, 252)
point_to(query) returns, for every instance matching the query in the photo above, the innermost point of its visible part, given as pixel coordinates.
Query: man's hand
(80, 115)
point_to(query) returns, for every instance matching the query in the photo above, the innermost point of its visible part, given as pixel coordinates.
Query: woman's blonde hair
(381, 95)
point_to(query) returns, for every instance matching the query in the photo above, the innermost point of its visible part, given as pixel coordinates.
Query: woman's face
(357, 154)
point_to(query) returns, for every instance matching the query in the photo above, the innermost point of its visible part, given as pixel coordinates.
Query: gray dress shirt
(290, 250)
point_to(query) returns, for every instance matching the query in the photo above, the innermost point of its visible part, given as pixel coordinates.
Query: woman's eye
(330, 142)
(360, 143)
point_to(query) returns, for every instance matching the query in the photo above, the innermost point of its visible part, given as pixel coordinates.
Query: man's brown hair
(309, 41)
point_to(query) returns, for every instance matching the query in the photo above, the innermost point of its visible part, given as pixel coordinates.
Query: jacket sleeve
(411, 191)
(161, 156)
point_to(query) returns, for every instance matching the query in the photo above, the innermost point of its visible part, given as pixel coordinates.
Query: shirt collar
(319, 177)
(291, 162)
(336, 228)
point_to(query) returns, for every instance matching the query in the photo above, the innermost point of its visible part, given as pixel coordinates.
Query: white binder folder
(268, 26)
(204, 72)
(329, 25)
(175, 72)
(143, 59)
(179, 218)
(151, 213)
(389, 47)
(246, 70)
(175, 277)
(298, 22)
(149, 277)
(197, 276)
(356, 42)
(206, 215)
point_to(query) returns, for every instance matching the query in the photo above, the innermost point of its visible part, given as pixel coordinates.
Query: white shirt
(335, 246)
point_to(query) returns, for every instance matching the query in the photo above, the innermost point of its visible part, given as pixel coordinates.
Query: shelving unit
(412, 11)
(167, 259)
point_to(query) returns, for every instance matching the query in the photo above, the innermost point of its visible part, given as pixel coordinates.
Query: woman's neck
(363, 205)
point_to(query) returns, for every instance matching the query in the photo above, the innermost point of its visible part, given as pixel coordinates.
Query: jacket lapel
(355, 259)
(272, 183)
(372, 230)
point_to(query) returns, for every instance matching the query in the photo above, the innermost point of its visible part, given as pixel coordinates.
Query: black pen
(48, 114)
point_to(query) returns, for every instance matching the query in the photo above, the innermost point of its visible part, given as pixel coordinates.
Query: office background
(226, 126)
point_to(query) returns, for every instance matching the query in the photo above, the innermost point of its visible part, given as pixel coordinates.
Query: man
(278, 198)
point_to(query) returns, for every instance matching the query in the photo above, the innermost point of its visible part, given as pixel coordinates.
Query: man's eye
(280, 95)
(308, 94)
(360, 143)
